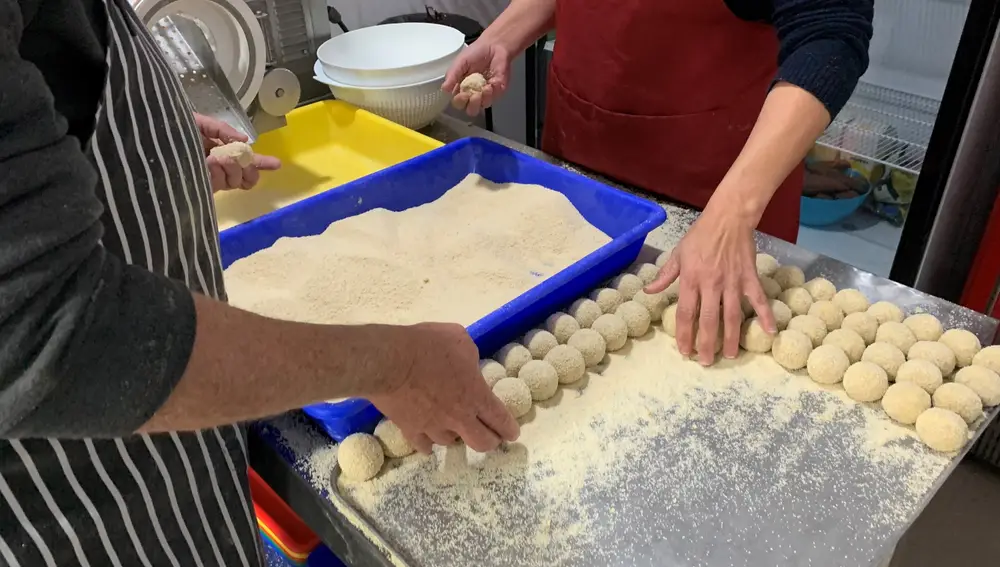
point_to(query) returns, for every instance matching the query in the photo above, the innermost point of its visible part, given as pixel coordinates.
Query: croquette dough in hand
(474, 83)
(240, 152)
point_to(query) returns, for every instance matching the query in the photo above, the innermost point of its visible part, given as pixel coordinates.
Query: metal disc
(280, 92)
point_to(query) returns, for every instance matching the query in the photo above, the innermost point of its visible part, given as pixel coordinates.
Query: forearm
(789, 123)
(522, 24)
(244, 366)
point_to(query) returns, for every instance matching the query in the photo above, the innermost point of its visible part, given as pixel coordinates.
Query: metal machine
(246, 62)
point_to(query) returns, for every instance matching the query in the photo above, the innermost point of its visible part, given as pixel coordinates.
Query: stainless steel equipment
(245, 62)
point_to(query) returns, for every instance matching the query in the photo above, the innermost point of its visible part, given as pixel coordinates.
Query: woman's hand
(716, 264)
(225, 173)
(492, 61)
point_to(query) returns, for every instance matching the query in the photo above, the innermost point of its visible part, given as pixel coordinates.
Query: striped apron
(177, 500)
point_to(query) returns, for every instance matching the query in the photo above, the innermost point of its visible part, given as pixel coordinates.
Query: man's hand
(429, 410)
(489, 59)
(225, 173)
(715, 262)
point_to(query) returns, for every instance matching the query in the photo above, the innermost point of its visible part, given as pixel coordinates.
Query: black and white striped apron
(178, 500)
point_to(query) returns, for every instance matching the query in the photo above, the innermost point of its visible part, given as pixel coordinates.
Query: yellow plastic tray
(324, 145)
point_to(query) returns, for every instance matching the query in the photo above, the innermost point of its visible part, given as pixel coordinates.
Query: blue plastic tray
(623, 217)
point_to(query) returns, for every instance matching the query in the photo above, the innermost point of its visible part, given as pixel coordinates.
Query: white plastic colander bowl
(391, 55)
(413, 106)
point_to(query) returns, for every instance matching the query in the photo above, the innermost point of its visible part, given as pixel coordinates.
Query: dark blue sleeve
(824, 46)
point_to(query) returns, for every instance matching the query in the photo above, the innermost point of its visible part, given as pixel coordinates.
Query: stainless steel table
(758, 524)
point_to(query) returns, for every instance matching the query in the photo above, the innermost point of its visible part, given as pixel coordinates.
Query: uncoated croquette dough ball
(829, 313)
(885, 311)
(766, 265)
(923, 373)
(613, 329)
(850, 301)
(850, 342)
(988, 357)
(811, 326)
(982, 381)
(646, 272)
(925, 326)
(240, 152)
(935, 352)
(782, 313)
(904, 402)
(820, 289)
(394, 444)
(789, 277)
(360, 457)
(791, 349)
(942, 430)
(541, 378)
(514, 394)
(865, 382)
(474, 83)
(654, 303)
(539, 342)
(863, 324)
(568, 362)
(627, 285)
(886, 356)
(636, 318)
(754, 338)
(827, 364)
(896, 334)
(513, 356)
(492, 371)
(960, 399)
(562, 326)
(963, 343)
(591, 345)
(772, 289)
(608, 299)
(585, 311)
(797, 299)
(670, 320)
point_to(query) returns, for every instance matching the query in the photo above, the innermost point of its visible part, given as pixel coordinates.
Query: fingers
(215, 128)
(687, 313)
(421, 442)
(732, 317)
(708, 325)
(478, 436)
(266, 163)
(487, 97)
(250, 177)
(460, 101)
(495, 415)
(668, 275)
(758, 299)
(217, 177)
(443, 437)
(475, 104)
(234, 173)
(454, 76)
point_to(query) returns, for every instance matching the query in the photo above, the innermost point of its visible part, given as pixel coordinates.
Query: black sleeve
(824, 46)
(89, 346)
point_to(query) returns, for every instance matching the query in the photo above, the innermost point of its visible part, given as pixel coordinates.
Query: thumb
(668, 275)
(455, 74)
(266, 163)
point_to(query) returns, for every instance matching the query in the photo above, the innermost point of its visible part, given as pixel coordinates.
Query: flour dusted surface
(455, 259)
(654, 460)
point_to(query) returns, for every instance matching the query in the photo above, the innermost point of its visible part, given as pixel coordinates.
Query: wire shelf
(884, 126)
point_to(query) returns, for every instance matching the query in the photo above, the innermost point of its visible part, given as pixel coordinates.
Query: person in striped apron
(123, 374)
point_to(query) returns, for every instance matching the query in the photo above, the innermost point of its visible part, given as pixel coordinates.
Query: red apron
(662, 95)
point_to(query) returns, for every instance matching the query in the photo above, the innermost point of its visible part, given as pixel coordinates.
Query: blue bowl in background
(823, 212)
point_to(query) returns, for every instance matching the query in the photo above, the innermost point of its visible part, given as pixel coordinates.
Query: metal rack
(884, 126)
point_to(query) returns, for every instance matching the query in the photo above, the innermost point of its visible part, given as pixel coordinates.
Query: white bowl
(391, 54)
(413, 106)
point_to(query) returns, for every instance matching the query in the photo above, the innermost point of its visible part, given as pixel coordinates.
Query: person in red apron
(712, 103)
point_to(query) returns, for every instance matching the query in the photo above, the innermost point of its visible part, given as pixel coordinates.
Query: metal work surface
(785, 490)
